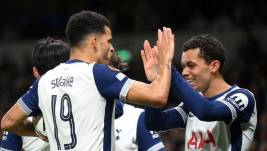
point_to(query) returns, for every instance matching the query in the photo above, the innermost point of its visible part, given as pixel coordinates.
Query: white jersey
(237, 134)
(77, 102)
(34, 144)
(131, 133)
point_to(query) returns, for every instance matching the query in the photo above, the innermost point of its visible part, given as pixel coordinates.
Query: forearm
(158, 120)
(15, 121)
(22, 128)
(25, 129)
(161, 85)
(197, 104)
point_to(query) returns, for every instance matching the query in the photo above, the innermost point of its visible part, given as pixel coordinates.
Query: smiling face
(195, 70)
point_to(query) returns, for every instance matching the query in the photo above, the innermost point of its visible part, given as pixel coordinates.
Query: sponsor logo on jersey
(120, 76)
(62, 82)
(240, 100)
(201, 139)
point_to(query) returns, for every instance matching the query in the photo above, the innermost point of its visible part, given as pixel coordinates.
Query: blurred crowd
(23, 20)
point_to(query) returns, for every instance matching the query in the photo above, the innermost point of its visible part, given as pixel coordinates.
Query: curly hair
(83, 24)
(210, 48)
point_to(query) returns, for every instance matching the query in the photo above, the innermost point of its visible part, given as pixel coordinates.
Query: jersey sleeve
(158, 120)
(197, 104)
(11, 142)
(241, 102)
(29, 101)
(147, 140)
(118, 109)
(111, 84)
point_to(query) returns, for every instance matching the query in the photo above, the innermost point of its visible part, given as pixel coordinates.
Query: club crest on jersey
(118, 134)
(240, 100)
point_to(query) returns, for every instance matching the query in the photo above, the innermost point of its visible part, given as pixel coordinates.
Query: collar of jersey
(219, 95)
(73, 61)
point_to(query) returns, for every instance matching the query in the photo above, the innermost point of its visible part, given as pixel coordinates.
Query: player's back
(125, 128)
(77, 117)
(131, 133)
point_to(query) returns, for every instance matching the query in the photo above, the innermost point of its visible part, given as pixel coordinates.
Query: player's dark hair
(83, 24)
(210, 48)
(115, 61)
(48, 53)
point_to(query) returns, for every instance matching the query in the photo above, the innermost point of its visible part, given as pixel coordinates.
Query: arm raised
(156, 93)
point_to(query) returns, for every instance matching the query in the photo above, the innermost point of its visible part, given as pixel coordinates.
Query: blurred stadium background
(240, 25)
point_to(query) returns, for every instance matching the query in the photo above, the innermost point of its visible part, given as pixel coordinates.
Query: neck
(84, 55)
(217, 86)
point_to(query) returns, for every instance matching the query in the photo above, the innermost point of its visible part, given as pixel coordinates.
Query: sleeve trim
(24, 107)
(125, 89)
(232, 109)
(182, 113)
(156, 147)
(3, 149)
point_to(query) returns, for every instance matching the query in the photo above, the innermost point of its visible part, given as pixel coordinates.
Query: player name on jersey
(62, 81)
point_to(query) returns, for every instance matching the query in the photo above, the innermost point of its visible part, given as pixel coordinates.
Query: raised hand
(165, 45)
(150, 61)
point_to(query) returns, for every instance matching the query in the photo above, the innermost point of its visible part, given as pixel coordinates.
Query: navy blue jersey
(11, 141)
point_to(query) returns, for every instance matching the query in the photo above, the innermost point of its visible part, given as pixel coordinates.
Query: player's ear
(93, 41)
(35, 72)
(214, 66)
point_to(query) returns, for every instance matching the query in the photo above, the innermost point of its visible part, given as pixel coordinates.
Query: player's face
(104, 46)
(195, 70)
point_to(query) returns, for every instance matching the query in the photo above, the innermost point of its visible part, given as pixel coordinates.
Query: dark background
(240, 25)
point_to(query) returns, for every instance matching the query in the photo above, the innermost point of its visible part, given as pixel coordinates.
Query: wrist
(167, 64)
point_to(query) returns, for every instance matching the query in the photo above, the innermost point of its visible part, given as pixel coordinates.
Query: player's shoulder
(240, 93)
(105, 67)
(242, 98)
(107, 72)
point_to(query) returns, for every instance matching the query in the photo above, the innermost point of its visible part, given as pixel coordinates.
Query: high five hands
(160, 55)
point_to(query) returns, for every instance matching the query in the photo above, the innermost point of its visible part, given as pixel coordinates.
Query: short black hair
(83, 24)
(210, 48)
(48, 53)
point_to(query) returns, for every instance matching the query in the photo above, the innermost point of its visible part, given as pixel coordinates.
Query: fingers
(159, 41)
(147, 48)
(167, 32)
(143, 56)
(155, 51)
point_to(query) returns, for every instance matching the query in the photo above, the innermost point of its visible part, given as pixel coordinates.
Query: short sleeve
(29, 101)
(111, 84)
